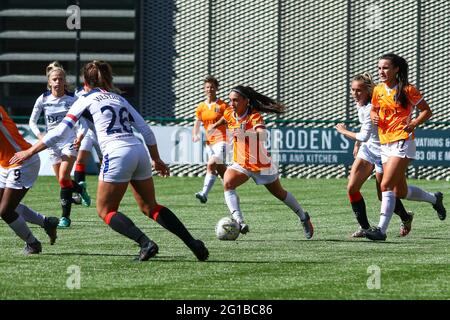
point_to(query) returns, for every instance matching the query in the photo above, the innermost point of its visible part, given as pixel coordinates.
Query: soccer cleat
(201, 197)
(405, 227)
(64, 222)
(360, 233)
(243, 228)
(200, 250)
(50, 225)
(76, 198)
(439, 206)
(33, 248)
(375, 234)
(148, 251)
(85, 198)
(307, 226)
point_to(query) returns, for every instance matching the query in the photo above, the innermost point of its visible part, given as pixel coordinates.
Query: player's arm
(217, 124)
(424, 114)
(55, 135)
(149, 138)
(34, 118)
(196, 131)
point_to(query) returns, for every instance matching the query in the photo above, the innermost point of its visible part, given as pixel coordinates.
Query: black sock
(66, 201)
(76, 187)
(400, 210)
(10, 216)
(169, 220)
(79, 176)
(359, 209)
(125, 226)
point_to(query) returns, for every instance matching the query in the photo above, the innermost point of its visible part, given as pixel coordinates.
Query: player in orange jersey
(393, 103)
(15, 181)
(208, 112)
(367, 157)
(250, 158)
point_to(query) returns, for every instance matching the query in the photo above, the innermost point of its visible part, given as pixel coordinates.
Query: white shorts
(56, 153)
(400, 149)
(371, 154)
(126, 163)
(20, 177)
(218, 150)
(266, 176)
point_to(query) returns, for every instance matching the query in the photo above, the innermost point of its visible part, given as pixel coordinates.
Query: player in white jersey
(55, 103)
(125, 160)
(84, 153)
(367, 154)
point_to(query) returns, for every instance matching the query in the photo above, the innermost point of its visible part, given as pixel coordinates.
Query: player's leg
(233, 178)
(277, 190)
(67, 188)
(9, 202)
(109, 196)
(360, 172)
(392, 177)
(144, 193)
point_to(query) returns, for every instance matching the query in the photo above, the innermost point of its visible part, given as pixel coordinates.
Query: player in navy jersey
(125, 160)
(55, 103)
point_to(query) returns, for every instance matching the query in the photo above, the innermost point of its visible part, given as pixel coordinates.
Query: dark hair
(98, 74)
(402, 76)
(213, 80)
(259, 101)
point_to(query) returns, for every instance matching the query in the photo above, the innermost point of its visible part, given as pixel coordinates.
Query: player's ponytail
(259, 101)
(98, 74)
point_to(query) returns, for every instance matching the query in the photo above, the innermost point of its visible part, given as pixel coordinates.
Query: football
(227, 229)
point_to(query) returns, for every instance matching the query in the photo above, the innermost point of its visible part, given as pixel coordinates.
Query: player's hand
(161, 168)
(340, 127)
(77, 142)
(410, 127)
(20, 157)
(195, 138)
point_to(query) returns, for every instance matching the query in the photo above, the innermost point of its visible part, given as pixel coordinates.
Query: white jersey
(113, 118)
(91, 131)
(368, 133)
(55, 109)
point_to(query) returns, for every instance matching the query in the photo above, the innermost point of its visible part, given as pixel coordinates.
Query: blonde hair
(367, 79)
(52, 67)
(98, 74)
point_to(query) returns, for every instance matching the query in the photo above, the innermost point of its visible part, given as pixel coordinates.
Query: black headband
(240, 92)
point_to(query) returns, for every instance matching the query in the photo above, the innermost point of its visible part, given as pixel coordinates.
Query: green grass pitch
(273, 261)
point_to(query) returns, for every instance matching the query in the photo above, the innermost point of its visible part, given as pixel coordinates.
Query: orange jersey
(210, 114)
(248, 151)
(394, 117)
(11, 141)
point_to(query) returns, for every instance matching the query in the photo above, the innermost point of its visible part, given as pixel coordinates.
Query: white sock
(417, 194)
(292, 203)
(30, 215)
(232, 200)
(20, 227)
(208, 183)
(387, 210)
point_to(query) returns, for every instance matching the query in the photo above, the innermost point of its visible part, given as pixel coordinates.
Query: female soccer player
(393, 102)
(367, 156)
(125, 160)
(15, 181)
(208, 112)
(250, 158)
(55, 103)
